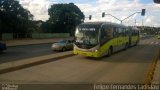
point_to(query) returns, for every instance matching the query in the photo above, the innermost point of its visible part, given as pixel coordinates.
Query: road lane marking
(151, 69)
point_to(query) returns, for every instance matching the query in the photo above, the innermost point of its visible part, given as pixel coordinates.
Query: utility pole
(135, 22)
(142, 14)
(142, 22)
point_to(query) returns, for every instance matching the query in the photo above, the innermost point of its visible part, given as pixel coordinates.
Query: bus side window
(106, 34)
(110, 32)
(102, 33)
(137, 33)
(124, 31)
(120, 32)
(103, 36)
(115, 32)
(127, 31)
(133, 32)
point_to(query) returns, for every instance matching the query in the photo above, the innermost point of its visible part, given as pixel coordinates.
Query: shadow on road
(136, 54)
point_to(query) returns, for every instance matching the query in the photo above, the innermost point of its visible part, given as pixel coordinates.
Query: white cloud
(122, 9)
(119, 8)
(39, 8)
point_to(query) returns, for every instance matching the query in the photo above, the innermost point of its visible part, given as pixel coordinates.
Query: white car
(62, 45)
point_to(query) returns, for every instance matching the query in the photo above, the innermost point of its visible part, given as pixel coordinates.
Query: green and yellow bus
(97, 39)
(133, 36)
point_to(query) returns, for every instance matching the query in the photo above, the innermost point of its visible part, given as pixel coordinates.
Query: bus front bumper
(85, 53)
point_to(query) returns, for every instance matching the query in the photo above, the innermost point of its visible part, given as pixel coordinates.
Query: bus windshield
(87, 35)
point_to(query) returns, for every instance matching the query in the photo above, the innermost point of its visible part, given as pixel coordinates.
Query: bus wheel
(110, 51)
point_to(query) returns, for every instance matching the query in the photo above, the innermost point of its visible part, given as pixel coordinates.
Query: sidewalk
(30, 41)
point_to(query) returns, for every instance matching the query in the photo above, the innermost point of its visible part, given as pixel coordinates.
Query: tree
(149, 30)
(14, 18)
(157, 1)
(64, 18)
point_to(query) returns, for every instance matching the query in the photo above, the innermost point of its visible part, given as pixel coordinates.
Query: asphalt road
(26, 51)
(129, 66)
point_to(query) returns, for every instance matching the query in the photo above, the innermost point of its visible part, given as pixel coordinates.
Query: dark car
(2, 46)
(62, 45)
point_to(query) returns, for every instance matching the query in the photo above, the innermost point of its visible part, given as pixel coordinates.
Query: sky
(118, 8)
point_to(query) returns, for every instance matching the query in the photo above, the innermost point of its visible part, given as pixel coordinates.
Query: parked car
(2, 46)
(63, 45)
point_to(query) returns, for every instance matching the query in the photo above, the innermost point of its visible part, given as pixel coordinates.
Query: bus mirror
(90, 17)
(143, 12)
(103, 14)
(156, 1)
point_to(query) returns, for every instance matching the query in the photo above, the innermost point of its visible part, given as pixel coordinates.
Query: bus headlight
(96, 50)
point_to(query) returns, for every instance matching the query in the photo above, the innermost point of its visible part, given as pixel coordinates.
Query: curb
(25, 44)
(30, 64)
(29, 44)
(151, 69)
(32, 41)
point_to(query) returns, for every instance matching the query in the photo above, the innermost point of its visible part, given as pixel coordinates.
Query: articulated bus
(133, 36)
(97, 39)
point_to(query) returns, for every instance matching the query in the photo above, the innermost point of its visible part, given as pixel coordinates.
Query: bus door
(120, 38)
(130, 36)
(115, 39)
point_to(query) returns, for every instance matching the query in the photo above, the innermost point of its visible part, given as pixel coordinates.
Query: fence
(11, 36)
(6, 36)
(49, 35)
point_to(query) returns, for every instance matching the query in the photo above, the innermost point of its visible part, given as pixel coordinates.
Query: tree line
(14, 18)
(17, 20)
(149, 30)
